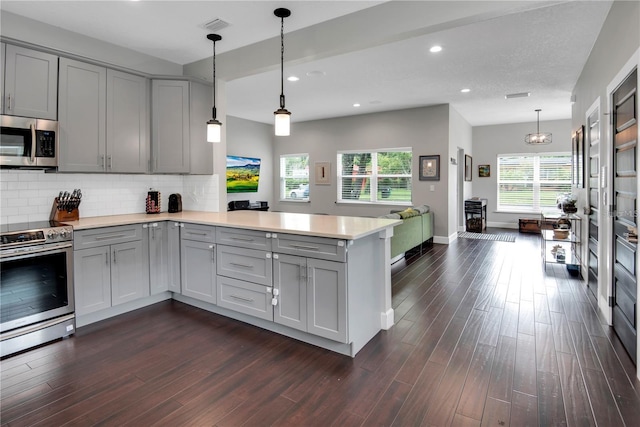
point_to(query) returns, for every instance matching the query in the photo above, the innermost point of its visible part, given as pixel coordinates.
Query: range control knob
(52, 234)
(64, 233)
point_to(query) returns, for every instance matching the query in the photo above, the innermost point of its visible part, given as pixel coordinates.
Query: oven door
(36, 284)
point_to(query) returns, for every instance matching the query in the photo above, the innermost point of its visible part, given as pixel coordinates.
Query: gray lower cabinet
(198, 262)
(111, 267)
(311, 295)
(173, 260)
(30, 83)
(158, 240)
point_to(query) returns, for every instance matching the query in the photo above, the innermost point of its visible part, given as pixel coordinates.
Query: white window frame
(283, 179)
(373, 177)
(536, 208)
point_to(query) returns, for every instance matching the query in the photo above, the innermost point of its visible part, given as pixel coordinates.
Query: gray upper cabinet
(127, 123)
(170, 145)
(201, 99)
(82, 110)
(30, 83)
(104, 118)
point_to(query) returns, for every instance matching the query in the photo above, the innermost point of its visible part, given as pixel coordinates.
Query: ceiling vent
(216, 24)
(517, 95)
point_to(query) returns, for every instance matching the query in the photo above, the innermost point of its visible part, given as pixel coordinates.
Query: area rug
(483, 236)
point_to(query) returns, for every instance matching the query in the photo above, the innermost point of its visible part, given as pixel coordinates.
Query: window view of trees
(531, 182)
(376, 176)
(294, 177)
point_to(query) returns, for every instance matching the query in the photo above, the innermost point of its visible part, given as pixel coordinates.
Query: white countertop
(338, 227)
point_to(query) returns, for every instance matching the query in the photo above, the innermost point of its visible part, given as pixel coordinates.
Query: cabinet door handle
(242, 239)
(242, 298)
(213, 253)
(106, 258)
(110, 163)
(114, 256)
(9, 103)
(241, 265)
(303, 272)
(309, 248)
(101, 162)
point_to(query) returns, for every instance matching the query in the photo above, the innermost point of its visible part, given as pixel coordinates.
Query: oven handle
(40, 249)
(33, 142)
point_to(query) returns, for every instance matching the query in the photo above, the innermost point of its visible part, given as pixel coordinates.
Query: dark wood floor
(483, 336)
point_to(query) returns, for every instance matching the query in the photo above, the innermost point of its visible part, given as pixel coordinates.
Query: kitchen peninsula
(322, 279)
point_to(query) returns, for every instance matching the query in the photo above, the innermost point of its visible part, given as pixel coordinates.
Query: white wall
(253, 139)
(424, 130)
(37, 33)
(489, 141)
(460, 137)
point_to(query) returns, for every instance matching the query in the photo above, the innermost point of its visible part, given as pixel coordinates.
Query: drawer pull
(110, 236)
(196, 234)
(242, 298)
(308, 248)
(242, 239)
(240, 265)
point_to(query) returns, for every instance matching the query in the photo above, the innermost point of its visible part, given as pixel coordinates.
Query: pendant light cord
(282, 62)
(214, 79)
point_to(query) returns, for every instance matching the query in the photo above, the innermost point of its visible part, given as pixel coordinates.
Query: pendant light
(538, 138)
(214, 127)
(283, 117)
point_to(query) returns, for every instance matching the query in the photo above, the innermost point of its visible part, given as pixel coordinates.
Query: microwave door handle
(33, 143)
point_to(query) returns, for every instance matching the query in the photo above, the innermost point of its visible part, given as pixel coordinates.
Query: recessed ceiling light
(465, 90)
(356, 105)
(435, 49)
(293, 78)
(316, 73)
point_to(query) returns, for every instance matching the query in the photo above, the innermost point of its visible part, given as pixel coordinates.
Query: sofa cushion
(408, 213)
(422, 208)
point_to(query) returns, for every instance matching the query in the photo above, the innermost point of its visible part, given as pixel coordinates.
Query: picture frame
(577, 158)
(323, 173)
(484, 171)
(468, 164)
(429, 168)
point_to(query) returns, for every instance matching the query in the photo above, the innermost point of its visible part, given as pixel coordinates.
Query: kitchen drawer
(244, 297)
(199, 233)
(250, 239)
(92, 238)
(245, 264)
(308, 246)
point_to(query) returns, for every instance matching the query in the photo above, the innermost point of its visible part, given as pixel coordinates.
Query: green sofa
(415, 231)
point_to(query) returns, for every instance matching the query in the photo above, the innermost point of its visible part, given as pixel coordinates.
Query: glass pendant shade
(538, 138)
(283, 122)
(214, 131)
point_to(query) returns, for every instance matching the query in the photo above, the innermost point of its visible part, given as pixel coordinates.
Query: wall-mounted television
(243, 174)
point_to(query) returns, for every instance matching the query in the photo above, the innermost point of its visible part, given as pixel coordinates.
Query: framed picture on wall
(429, 168)
(484, 171)
(468, 164)
(577, 158)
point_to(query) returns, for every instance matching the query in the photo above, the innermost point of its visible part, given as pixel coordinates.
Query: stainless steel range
(36, 285)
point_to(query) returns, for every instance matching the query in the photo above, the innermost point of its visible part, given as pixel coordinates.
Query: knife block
(63, 215)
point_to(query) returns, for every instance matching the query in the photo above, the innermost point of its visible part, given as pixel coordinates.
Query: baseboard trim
(503, 225)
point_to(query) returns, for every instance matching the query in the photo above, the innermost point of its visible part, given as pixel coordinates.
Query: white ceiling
(372, 53)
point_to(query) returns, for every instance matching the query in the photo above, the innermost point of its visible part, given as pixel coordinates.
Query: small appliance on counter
(175, 203)
(154, 202)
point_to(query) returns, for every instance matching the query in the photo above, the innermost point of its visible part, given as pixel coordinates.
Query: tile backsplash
(28, 195)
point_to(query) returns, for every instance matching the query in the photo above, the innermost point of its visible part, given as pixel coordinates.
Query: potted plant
(567, 203)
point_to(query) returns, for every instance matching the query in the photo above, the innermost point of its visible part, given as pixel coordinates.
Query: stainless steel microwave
(28, 143)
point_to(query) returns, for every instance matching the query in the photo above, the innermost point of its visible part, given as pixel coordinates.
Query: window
(531, 182)
(294, 177)
(378, 176)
